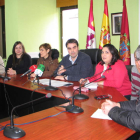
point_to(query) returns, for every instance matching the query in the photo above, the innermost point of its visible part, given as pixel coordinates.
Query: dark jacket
(128, 115)
(83, 69)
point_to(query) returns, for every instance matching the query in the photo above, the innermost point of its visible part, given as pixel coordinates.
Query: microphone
(81, 96)
(31, 69)
(69, 66)
(66, 68)
(102, 77)
(101, 72)
(55, 88)
(15, 132)
(40, 69)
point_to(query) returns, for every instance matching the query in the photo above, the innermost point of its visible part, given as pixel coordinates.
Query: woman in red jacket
(116, 76)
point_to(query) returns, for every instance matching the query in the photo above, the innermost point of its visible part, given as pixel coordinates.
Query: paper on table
(54, 83)
(100, 115)
(92, 85)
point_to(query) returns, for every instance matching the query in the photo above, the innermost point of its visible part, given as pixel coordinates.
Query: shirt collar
(71, 59)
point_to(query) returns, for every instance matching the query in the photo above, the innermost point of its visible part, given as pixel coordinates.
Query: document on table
(92, 85)
(100, 115)
(54, 83)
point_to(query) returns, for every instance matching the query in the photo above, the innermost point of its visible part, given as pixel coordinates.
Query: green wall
(32, 22)
(37, 21)
(114, 6)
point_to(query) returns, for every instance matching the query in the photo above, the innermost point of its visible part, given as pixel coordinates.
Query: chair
(129, 67)
(55, 55)
(95, 55)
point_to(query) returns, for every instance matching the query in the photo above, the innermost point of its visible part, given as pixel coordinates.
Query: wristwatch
(65, 77)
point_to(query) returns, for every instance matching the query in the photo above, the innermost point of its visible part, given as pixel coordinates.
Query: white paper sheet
(54, 83)
(100, 115)
(92, 85)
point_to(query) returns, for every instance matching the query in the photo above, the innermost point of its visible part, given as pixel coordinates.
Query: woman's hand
(100, 83)
(10, 71)
(33, 75)
(82, 81)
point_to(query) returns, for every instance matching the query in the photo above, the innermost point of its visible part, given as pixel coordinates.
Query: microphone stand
(15, 132)
(37, 79)
(55, 88)
(5, 78)
(82, 96)
(73, 108)
(50, 87)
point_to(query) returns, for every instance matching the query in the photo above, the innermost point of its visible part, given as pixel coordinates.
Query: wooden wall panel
(65, 3)
(2, 2)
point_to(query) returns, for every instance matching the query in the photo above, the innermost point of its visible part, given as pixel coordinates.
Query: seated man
(135, 75)
(126, 113)
(83, 67)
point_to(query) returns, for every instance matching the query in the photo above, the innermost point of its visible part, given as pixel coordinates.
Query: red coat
(117, 77)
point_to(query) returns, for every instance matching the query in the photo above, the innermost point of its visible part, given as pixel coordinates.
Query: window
(69, 26)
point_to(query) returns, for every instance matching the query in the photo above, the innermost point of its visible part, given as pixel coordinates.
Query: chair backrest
(55, 55)
(129, 67)
(95, 55)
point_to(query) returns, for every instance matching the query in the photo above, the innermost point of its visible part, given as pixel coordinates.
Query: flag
(105, 31)
(91, 42)
(124, 38)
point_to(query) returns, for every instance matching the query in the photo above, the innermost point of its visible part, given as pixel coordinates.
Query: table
(68, 125)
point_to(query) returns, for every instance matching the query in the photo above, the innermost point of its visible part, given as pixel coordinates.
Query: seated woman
(1, 66)
(46, 60)
(18, 62)
(117, 76)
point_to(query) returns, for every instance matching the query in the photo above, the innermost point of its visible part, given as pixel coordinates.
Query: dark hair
(14, 54)
(72, 40)
(46, 46)
(114, 52)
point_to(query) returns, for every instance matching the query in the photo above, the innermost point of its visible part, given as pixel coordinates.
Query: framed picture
(116, 19)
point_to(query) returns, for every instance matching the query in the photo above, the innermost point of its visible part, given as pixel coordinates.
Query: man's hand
(60, 77)
(108, 105)
(61, 70)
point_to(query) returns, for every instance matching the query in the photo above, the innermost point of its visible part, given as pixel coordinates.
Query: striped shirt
(135, 83)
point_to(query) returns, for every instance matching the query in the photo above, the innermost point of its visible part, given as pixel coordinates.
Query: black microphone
(83, 96)
(15, 132)
(102, 77)
(55, 88)
(76, 109)
(69, 66)
(102, 71)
